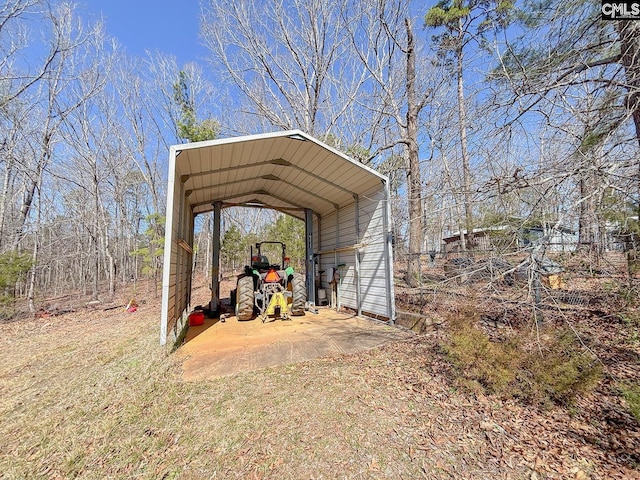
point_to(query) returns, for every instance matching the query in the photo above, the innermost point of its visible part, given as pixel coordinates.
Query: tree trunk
(629, 32)
(4, 195)
(587, 225)
(413, 172)
(111, 264)
(32, 277)
(34, 259)
(462, 125)
(33, 184)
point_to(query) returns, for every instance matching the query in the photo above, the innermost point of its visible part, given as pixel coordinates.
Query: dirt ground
(91, 394)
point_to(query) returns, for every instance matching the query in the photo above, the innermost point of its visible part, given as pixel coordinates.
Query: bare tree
(35, 107)
(465, 22)
(140, 131)
(588, 77)
(382, 35)
(91, 170)
(290, 60)
(15, 37)
(73, 69)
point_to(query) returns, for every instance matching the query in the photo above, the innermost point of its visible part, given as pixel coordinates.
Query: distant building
(482, 239)
(506, 237)
(559, 240)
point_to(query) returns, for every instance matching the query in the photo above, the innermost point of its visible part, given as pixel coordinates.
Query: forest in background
(485, 114)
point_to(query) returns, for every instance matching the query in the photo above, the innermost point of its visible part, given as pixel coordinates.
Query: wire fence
(517, 288)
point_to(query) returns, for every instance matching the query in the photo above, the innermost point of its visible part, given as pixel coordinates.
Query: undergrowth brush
(631, 395)
(541, 368)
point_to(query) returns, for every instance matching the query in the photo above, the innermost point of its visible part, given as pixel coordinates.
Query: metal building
(345, 206)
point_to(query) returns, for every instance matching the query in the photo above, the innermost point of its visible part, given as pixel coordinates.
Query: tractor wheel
(299, 291)
(232, 298)
(244, 298)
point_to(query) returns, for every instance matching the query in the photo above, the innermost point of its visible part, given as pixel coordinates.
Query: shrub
(561, 369)
(13, 268)
(539, 370)
(631, 395)
(491, 364)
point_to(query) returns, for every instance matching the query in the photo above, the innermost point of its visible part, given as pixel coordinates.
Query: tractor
(268, 290)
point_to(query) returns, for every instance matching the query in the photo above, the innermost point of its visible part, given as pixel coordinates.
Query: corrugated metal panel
(339, 232)
(374, 286)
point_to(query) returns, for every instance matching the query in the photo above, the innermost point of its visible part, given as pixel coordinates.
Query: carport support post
(388, 253)
(308, 228)
(215, 260)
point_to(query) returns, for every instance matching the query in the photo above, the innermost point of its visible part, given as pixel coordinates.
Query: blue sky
(168, 26)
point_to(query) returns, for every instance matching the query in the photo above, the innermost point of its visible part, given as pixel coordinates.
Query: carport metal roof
(287, 171)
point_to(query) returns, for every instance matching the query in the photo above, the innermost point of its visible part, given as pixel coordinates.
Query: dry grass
(92, 395)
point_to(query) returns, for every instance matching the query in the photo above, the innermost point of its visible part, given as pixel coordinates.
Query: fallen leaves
(387, 413)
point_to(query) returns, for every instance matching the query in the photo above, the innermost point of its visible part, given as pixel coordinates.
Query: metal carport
(345, 206)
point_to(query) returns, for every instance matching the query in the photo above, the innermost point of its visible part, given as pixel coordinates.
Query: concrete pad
(219, 348)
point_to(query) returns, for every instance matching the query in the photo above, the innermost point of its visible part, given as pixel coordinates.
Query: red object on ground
(196, 318)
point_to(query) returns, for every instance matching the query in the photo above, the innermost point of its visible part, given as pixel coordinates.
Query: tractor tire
(232, 298)
(244, 298)
(299, 290)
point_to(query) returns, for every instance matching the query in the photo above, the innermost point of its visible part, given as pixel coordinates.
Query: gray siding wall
(375, 293)
(338, 233)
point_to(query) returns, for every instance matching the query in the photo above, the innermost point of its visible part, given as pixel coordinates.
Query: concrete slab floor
(219, 348)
